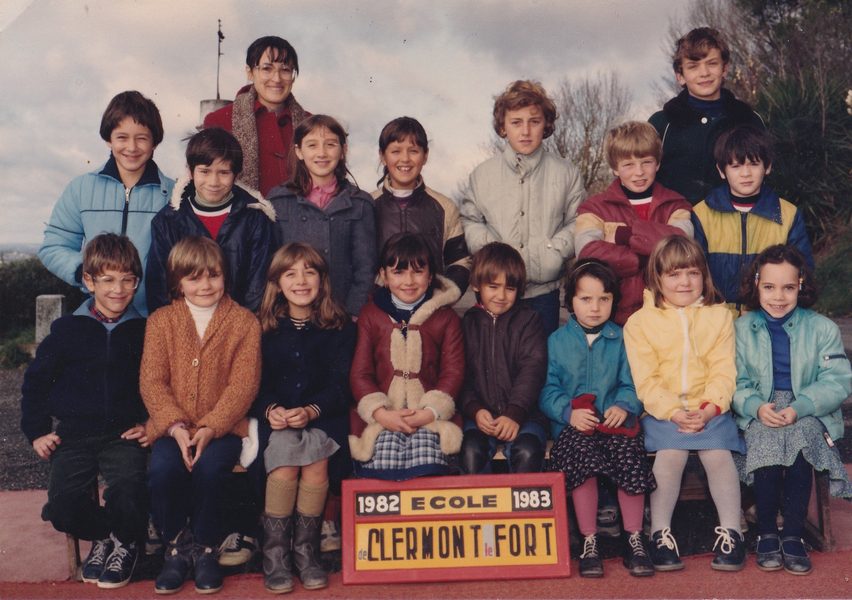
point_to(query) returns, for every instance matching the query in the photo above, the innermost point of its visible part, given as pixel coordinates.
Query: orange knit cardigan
(202, 383)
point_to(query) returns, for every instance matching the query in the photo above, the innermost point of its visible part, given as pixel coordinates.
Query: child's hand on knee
(506, 429)
(687, 421)
(789, 415)
(614, 416)
(394, 420)
(45, 445)
(136, 433)
(200, 440)
(583, 419)
(485, 422)
(297, 417)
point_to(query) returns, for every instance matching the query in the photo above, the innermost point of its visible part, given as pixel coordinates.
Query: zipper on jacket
(684, 378)
(106, 373)
(744, 237)
(125, 211)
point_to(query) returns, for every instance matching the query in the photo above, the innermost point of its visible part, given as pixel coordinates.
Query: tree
(588, 109)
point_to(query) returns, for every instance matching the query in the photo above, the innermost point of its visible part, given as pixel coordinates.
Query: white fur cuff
(440, 402)
(369, 403)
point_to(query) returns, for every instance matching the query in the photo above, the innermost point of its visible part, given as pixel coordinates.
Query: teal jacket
(574, 368)
(822, 378)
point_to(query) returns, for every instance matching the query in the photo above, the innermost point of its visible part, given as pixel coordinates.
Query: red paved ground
(34, 556)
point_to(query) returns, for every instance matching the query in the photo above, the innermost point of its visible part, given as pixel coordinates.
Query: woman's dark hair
(592, 267)
(776, 255)
(280, 50)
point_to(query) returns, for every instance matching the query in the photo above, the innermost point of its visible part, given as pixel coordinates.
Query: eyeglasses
(109, 282)
(269, 70)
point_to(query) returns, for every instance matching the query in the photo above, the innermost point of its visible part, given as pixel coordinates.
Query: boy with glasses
(86, 376)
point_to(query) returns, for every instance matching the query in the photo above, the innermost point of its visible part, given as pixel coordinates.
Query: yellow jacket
(681, 357)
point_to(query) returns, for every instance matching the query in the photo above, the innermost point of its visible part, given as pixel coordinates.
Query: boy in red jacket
(622, 224)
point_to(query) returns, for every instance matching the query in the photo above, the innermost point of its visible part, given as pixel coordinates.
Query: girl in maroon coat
(408, 368)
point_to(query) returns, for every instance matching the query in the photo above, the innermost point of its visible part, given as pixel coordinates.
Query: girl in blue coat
(590, 389)
(792, 377)
(307, 346)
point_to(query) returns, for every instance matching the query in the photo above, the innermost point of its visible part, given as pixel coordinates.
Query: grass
(12, 347)
(834, 275)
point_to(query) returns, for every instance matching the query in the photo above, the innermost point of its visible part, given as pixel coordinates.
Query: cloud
(365, 62)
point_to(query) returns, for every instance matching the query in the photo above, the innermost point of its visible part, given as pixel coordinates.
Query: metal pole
(219, 58)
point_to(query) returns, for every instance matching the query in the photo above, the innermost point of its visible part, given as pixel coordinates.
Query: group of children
(354, 358)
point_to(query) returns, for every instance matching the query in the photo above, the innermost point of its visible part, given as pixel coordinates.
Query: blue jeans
(179, 495)
(547, 306)
(524, 455)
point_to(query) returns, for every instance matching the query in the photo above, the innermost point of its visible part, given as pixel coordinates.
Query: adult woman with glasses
(264, 113)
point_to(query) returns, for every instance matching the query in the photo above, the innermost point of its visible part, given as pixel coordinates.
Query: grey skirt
(297, 448)
(771, 446)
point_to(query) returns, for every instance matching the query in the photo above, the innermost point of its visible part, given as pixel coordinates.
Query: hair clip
(757, 277)
(801, 280)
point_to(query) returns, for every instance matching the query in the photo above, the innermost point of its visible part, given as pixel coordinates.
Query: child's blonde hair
(326, 313)
(633, 139)
(679, 252)
(193, 255)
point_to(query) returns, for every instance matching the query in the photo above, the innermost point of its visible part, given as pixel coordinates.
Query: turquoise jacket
(819, 369)
(574, 368)
(98, 202)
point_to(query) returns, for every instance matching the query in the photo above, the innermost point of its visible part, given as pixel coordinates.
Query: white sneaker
(237, 549)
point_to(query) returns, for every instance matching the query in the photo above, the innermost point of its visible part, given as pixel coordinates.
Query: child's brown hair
(679, 252)
(193, 255)
(301, 181)
(696, 44)
(136, 106)
(497, 258)
(209, 144)
(326, 313)
(520, 94)
(633, 139)
(111, 251)
(776, 255)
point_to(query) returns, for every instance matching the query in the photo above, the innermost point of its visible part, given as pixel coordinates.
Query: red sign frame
(478, 499)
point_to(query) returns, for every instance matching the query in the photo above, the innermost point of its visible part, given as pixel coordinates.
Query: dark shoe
(208, 573)
(153, 543)
(277, 554)
(591, 564)
(636, 559)
(306, 542)
(795, 556)
(177, 563)
(330, 536)
(664, 552)
(93, 566)
(608, 521)
(237, 549)
(730, 550)
(768, 552)
(119, 565)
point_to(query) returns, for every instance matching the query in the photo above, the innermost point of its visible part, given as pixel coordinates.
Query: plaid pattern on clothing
(397, 451)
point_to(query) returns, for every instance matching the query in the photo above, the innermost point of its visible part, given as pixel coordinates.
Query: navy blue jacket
(85, 376)
(247, 237)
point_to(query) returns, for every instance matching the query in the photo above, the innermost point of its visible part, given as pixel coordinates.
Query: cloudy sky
(362, 61)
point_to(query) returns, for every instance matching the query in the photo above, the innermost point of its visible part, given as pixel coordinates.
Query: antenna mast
(219, 58)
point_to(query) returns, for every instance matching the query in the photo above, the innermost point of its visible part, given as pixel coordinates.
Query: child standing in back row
(743, 216)
(680, 345)
(622, 224)
(792, 377)
(594, 415)
(321, 207)
(506, 360)
(404, 203)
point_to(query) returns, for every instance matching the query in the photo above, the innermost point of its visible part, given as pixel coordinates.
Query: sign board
(455, 528)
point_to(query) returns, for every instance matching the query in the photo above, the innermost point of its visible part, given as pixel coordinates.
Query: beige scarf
(244, 127)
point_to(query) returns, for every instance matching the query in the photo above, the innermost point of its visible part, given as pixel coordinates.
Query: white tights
(721, 477)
